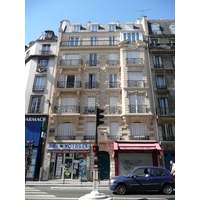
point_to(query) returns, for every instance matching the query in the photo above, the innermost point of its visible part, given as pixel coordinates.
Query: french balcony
(136, 83)
(114, 110)
(162, 87)
(92, 63)
(165, 111)
(114, 84)
(71, 62)
(45, 52)
(69, 84)
(89, 137)
(92, 85)
(112, 62)
(168, 138)
(134, 61)
(114, 137)
(138, 109)
(89, 110)
(139, 137)
(67, 109)
(61, 137)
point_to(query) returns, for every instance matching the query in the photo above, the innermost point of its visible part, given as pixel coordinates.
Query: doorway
(104, 165)
(68, 168)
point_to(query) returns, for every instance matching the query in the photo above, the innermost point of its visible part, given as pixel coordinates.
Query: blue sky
(41, 15)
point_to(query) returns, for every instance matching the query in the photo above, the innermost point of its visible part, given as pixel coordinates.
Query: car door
(138, 181)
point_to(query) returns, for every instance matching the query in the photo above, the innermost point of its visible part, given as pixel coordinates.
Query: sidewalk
(67, 183)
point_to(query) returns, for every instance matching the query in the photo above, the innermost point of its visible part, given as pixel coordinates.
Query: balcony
(165, 111)
(92, 85)
(88, 110)
(162, 87)
(69, 137)
(138, 109)
(92, 63)
(70, 63)
(158, 66)
(68, 84)
(67, 109)
(114, 84)
(89, 137)
(114, 110)
(114, 137)
(168, 138)
(139, 137)
(134, 61)
(112, 62)
(45, 52)
(136, 83)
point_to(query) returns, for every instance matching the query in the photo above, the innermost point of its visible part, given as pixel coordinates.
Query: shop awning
(137, 146)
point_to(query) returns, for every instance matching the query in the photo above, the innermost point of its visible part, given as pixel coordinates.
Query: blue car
(142, 179)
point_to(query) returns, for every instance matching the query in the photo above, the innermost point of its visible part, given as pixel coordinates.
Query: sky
(41, 15)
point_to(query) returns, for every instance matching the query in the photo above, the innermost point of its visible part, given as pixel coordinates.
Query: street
(74, 193)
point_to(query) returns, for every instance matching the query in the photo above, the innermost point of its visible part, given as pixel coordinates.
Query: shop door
(104, 165)
(68, 168)
(169, 155)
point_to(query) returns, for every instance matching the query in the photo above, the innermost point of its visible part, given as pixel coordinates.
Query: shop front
(69, 161)
(130, 155)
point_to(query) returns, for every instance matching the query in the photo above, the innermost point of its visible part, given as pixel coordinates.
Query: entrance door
(68, 168)
(169, 155)
(104, 165)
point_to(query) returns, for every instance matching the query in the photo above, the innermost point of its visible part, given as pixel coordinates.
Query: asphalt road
(74, 193)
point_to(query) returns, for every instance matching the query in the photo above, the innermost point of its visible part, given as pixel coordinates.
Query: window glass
(140, 172)
(157, 172)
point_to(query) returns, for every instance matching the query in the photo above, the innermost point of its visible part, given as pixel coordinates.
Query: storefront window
(80, 163)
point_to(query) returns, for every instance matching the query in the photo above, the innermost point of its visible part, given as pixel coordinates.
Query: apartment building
(105, 66)
(40, 59)
(161, 38)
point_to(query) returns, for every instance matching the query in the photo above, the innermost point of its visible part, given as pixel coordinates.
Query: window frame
(35, 82)
(31, 103)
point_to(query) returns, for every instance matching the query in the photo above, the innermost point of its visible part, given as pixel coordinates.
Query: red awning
(137, 146)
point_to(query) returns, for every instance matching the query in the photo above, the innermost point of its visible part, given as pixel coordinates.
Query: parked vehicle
(144, 178)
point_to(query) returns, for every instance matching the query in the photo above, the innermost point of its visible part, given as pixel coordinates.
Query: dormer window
(76, 28)
(172, 28)
(94, 27)
(112, 27)
(155, 29)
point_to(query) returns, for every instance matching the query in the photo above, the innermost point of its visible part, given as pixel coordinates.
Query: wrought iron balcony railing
(92, 85)
(136, 83)
(134, 61)
(68, 84)
(67, 137)
(114, 137)
(89, 137)
(67, 109)
(89, 43)
(69, 62)
(168, 138)
(114, 110)
(45, 52)
(88, 110)
(114, 84)
(112, 62)
(138, 109)
(92, 62)
(165, 111)
(161, 87)
(139, 137)
(158, 66)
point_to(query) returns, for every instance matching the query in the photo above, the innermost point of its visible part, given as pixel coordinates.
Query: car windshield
(131, 172)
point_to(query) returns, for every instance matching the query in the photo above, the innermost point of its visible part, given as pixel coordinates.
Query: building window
(93, 41)
(90, 130)
(164, 108)
(39, 83)
(137, 104)
(114, 109)
(138, 130)
(111, 41)
(91, 105)
(112, 28)
(94, 28)
(135, 79)
(74, 41)
(157, 62)
(160, 82)
(132, 37)
(172, 28)
(35, 104)
(167, 133)
(66, 131)
(114, 130)
(76, 28)
(46, 49)
(155, 28)
(93, 60)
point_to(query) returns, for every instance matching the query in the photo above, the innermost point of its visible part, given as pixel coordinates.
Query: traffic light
(95, 148)
(99, 116)
(31, 144)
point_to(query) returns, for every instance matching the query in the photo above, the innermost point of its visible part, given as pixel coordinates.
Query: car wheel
(121, 189)
(167, 189)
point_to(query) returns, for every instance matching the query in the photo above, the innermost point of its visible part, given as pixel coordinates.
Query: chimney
(138, 21)
(64, 24)
(117, 22)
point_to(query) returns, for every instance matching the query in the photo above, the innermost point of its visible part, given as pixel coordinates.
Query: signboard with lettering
(68, 146)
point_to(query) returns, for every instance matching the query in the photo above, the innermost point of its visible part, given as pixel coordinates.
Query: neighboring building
(40, 59)
(161, 38)
(103, 66)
